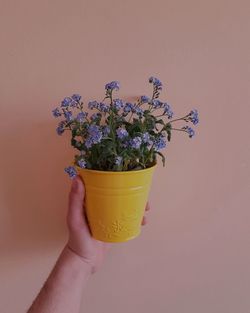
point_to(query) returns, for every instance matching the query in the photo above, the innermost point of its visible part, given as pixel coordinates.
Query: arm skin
(80, 258)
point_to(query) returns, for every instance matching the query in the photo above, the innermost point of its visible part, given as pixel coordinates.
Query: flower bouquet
(118, 145)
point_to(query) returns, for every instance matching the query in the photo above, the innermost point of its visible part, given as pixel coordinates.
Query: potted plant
(118, 146)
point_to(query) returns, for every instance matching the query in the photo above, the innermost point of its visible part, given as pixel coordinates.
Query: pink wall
(194, 256)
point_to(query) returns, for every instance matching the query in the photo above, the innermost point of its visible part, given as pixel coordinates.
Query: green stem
(130, 116)
(153, 95)
(181, 130)
(179, 119)
(111, 124)
(149, 154)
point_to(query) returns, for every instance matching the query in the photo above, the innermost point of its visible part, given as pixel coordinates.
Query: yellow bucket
(115, 202)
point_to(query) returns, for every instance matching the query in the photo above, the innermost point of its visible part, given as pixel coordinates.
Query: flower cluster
(119, 135)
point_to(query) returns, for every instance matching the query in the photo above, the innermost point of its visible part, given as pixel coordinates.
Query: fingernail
(75, 184)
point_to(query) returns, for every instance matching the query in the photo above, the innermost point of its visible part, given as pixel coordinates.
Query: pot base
(113, 240)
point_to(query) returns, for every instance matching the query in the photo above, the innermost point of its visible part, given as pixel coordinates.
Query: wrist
(78, 262)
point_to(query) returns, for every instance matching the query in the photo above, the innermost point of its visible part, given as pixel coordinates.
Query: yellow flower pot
(115, 202)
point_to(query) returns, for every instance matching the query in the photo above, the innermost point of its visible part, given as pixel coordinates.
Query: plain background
(194, 256)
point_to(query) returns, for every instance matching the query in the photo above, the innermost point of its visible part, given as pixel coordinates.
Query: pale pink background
(194, 256)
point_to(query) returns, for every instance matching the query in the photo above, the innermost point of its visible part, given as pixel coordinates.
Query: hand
(80, 241)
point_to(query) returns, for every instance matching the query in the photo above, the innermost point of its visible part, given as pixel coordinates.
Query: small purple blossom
(167, 110)
(146, 138)
(81, 163)
(156, 104)
(93, 129)
(95, 135)
(93, 105)
(128, 107)
(95, 116)
(56, 112)
(71, 171)
(81, 116)
(88, 142)
(189, 130)
(76, 97)
(66, 102)
(114, 85)
(136, 142)
(160, 143)
(156, 82)
(60, 129)
(121, 133)
(118, 104)
(145, 99)
(103, 107)
(68, 115)
(106, 130)
(194, 117)
(139, 112)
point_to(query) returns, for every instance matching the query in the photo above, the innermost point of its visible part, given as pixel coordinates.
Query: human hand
(80, 241)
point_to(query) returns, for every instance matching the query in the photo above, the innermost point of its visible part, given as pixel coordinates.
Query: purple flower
(71, 171)
(82, 163)
(118, 104)
(189, 130)
(139, 112)
(128, 107)
(194, 117)
(93, 129)
(68, 115)
(121, 133)
(95, 116)
(114, 85)
(66, 102)
(118, 160)
(89, 142)
(106, 130)
(81, 116)
(93, 104)
(167, 110)
(156, 82)
(76, 97)
(103, 107)
(60, 129)
(146, 138)
(95, 135)
(160, 143)
(136, 142)
(56, 112)
(145, 99)
(156, 104)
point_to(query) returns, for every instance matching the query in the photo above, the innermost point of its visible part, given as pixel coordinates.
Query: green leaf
(168, 129)
(160, 122)
(74, 132)
(162, 157)
(169, 134)
(73, 142)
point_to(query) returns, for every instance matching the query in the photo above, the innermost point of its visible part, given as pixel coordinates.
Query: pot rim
(116, 172)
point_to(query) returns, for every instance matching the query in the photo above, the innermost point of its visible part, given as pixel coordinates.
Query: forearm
(63, 289)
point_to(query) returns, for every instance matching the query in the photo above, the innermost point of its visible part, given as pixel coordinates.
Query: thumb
(76, 217)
